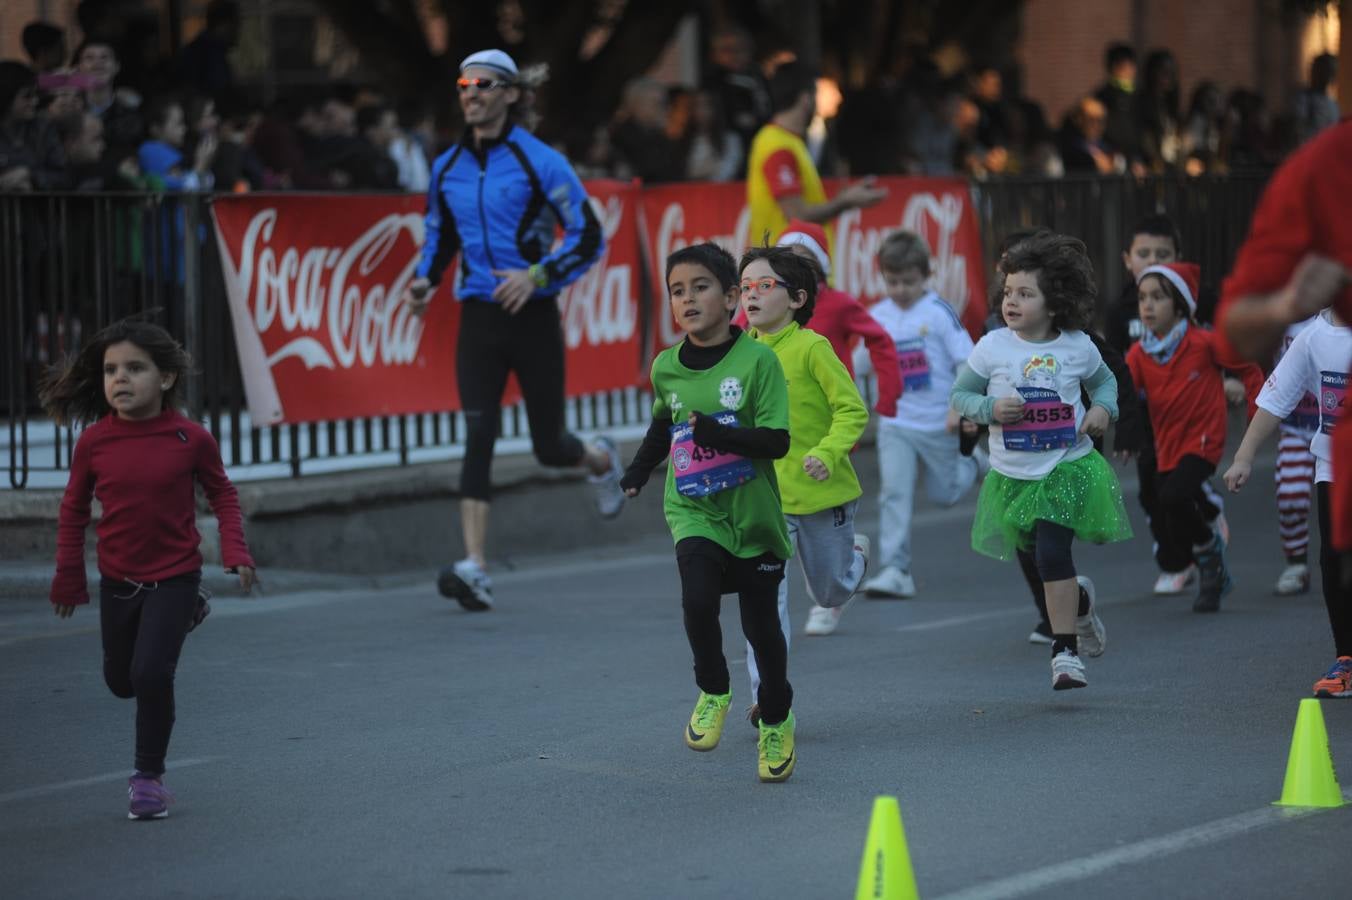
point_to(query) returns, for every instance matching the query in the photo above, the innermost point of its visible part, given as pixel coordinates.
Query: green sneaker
(706, 722)
(776, 750)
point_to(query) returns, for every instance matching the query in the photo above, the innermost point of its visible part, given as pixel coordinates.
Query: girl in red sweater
(140, 457)
(1177, 366)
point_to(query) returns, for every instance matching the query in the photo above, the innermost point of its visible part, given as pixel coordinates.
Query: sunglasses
(483, 84)
(763, 286)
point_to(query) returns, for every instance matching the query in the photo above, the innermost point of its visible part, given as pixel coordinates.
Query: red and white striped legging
(1295, 478)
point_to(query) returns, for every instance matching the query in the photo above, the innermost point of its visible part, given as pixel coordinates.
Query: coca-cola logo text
(343, 303)
(600, 307)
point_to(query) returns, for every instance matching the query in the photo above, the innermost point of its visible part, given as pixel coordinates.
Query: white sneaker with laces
(1089, 631)
(822, 621)
(609, 495)
(467, 583)
(1067, 672)
(891, 582)
(1295, 579)
(1174, 582)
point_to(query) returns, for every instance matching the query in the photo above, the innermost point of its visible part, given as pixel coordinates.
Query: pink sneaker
(148, 797)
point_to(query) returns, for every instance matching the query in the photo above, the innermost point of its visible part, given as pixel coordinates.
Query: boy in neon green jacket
(817, 484)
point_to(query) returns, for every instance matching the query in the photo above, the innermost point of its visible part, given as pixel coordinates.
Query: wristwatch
(538, 274)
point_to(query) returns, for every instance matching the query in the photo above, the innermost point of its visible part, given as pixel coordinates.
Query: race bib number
(1305, 417)
(1048, 423)
(1332, 395)
(915, 370)
(701, 471)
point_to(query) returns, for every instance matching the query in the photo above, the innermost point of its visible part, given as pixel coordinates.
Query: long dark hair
(73, 394)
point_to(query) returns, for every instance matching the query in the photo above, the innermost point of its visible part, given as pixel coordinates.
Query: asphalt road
(383, 743)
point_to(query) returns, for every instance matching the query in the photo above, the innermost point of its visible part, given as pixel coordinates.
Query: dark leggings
(143, 629)
(493, 344)
(1181, 508)
(1151, 484)
(1049, 559)
(1337, 594)
(707, 573)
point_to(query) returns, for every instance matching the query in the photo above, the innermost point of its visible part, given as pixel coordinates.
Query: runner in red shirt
(1177, 367)
(142, 458)
(1296, 260)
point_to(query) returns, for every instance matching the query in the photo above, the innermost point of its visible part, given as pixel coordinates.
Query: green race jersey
(746, 519)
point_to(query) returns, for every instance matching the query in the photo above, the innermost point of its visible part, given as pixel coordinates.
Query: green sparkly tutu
(1083, 495)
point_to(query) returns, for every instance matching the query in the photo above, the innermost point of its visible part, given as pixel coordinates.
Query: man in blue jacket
(498, 197)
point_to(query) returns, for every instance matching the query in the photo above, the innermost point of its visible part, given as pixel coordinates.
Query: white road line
(43, 789)
(1151, 848)
(963, 620)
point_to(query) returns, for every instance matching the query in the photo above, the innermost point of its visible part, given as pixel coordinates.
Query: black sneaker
(1214, 580)
(1041, 634)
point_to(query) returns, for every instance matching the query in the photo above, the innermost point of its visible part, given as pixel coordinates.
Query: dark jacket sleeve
(649, 456)
(1129, 434)
(753, 443)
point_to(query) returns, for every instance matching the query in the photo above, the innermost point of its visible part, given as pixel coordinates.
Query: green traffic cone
(1310, 779)
(885, 871)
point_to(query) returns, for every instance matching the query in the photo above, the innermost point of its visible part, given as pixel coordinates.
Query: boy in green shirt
(721, 412)
(826, 419)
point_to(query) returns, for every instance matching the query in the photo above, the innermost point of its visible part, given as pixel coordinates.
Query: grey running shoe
(609, 495)
(467, 583)
(1089, 631)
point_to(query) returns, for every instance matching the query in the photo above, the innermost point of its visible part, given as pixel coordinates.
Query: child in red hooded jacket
(1177, 366)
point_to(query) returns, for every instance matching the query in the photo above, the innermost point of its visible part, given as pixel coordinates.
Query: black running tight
(143, 628)
(707, 572)
(1337, 596)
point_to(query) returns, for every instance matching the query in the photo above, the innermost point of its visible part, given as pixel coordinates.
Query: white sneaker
(863, 546)
(467, 583)
(609, 495)
(821, 620)
(983, 461)
(1089, 631)
(891, 582)
(1174, 582)
(1067, 672)
(1295, 579)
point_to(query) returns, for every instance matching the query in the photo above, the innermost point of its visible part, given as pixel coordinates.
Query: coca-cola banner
(315, 285)
(939, 209)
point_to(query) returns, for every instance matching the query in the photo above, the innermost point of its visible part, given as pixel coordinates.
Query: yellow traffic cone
(885, 872)
(1310, 780)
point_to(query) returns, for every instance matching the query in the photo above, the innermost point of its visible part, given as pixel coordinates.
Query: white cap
(492, 59)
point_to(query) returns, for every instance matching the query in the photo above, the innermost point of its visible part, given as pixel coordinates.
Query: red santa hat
(809, 235)
(1184, 276)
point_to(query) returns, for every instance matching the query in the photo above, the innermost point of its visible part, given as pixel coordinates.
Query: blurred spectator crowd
(69, 122)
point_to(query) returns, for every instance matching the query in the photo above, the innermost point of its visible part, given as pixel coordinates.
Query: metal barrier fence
(71, 263)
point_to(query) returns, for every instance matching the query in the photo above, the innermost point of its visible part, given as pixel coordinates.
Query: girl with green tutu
(1047, 484)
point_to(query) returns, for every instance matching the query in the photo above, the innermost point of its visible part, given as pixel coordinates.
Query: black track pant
(1181, 508)
(707, 573)
(493, 344)
(1337, 595)
(143, 629)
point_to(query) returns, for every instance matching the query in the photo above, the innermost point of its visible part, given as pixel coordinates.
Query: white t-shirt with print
(1304, 419)
(1048, 376)
(931, 343)
(1316, 361)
